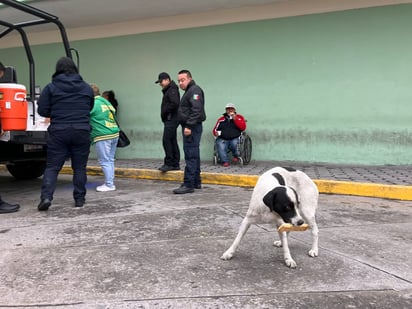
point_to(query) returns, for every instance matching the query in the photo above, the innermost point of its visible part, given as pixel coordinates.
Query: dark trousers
(170, 145)
(191, 147)
(62, 144)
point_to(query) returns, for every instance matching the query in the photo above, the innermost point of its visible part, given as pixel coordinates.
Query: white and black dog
(281, 195)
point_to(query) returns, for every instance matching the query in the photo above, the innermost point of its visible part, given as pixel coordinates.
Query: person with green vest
(104, 135)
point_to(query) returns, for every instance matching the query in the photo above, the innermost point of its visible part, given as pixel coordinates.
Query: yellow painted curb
(396, 192)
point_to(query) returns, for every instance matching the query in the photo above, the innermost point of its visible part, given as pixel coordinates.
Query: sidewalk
(387, 181)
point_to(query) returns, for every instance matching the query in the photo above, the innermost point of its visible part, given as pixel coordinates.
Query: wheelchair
(244, 148)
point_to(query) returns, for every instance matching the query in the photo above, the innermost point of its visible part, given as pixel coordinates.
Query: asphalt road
(144, 247)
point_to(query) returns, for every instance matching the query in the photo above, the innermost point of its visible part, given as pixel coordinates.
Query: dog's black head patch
(279, 201)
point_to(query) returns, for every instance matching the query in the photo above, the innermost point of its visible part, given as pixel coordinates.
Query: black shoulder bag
(123, 139)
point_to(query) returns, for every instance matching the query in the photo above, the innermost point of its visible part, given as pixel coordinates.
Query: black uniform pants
(170, 145)
(191, 147)
(62, 144)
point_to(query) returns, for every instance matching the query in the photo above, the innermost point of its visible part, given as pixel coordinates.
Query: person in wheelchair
(227, 130)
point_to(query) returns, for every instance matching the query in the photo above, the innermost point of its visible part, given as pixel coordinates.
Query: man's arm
(44, 108)
(240, 122)
(173, 100)
(216, 127)
(196, 102)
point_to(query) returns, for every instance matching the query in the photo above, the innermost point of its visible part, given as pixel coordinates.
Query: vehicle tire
(26, 169)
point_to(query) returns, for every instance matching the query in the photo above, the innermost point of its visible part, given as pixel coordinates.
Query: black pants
(170, 146)
(62, 144)
(191, 147)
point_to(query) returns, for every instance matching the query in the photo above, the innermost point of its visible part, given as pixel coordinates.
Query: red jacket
(229, 128)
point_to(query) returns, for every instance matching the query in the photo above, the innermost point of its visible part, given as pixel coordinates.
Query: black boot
(44, 205)
(183, 190)
(7, 208)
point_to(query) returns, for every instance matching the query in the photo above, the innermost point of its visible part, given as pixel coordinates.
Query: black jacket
(170, 102)
(228, 128)
(192, 106)
(67, 100)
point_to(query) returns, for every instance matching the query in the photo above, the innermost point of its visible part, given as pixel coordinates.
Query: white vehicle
(23, 132)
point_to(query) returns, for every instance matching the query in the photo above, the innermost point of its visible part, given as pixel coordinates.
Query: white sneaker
(104, 188)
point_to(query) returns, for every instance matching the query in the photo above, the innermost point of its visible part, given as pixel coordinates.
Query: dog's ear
(270, 197)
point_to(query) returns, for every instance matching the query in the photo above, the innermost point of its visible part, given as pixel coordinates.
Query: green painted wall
(332, 87)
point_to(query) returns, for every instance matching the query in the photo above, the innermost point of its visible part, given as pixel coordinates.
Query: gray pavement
(144, 247)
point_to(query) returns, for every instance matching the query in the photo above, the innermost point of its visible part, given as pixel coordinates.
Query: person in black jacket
(7, 74)
(191, 115)
(67, 101)
(168, 114)
(227, 130)
(2, 70)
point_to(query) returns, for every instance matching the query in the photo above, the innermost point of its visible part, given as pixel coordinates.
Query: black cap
(162, 76)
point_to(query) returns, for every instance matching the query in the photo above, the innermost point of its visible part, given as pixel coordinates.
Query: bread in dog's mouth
(288, 227)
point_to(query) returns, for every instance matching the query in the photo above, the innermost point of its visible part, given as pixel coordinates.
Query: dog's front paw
(313, 252)
(277, 243)
(290, 263)
(227, 255)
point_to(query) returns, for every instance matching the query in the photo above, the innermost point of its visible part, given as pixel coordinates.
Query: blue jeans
(106, 150)
(224, 145)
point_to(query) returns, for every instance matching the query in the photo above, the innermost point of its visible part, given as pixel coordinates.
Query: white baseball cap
(230, 105)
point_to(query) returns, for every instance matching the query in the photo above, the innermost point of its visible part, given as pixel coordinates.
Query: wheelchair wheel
(247, 150)
(214, 160)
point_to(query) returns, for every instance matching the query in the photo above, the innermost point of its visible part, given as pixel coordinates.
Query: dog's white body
(300, 190)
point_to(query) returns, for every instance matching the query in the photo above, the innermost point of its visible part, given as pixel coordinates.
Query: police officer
(168, 114)
(191, 115)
